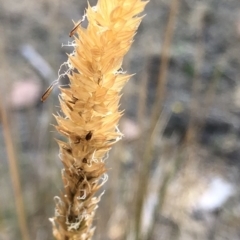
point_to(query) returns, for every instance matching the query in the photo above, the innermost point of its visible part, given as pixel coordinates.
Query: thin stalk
(162, 193)
(142, 99)
(156, 112)
(194, 102)
(14, 172)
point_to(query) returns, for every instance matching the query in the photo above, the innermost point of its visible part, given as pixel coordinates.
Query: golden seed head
(90, 108)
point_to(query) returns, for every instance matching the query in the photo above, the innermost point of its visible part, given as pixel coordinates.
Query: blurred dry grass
(196, 138)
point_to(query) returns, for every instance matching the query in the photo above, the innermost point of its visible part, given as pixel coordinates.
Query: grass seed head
(90, 108)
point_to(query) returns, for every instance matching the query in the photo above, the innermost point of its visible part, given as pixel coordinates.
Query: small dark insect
(89, 136)
(48, 91)
(75, 28)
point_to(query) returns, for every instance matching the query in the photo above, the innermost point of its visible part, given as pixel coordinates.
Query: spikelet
(90, 111)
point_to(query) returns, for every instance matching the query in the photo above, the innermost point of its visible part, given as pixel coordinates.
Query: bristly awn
(77, 25)
(75, 28)
(48, 91)
(56, 82)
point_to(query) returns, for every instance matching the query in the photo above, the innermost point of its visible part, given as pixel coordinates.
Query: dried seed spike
(89, 136)
(48, 91)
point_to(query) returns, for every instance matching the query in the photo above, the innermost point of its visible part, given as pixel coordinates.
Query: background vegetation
(191, 108)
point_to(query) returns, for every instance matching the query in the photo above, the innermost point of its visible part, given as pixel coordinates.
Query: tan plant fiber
(91, 112)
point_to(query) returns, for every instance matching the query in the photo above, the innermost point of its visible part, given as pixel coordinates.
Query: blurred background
(176, 173)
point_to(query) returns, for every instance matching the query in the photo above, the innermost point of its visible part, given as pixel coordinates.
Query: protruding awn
(77, 25)
(48, 91)
(75, 28)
